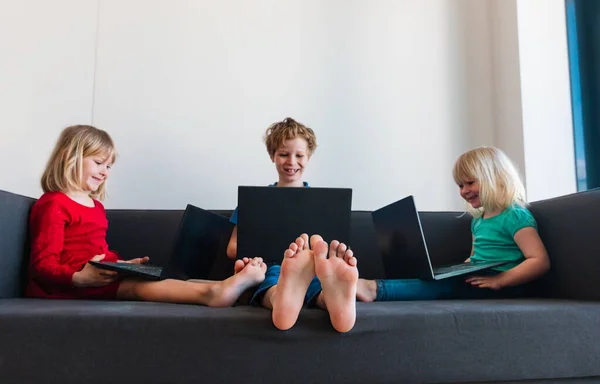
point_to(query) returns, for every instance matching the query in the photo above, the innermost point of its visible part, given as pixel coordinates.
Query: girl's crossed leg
(248, 273)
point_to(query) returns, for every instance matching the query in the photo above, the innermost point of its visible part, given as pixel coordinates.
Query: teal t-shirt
(493, 238)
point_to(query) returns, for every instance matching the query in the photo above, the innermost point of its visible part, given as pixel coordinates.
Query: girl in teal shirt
(502, 228)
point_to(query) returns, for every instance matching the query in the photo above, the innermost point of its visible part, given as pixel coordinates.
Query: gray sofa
(552, 336)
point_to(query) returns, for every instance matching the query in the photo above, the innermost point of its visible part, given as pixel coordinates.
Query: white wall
(46, 82)
(546, 99)
(506, 86)
(533, 119)
(383, 85)
(395, 90)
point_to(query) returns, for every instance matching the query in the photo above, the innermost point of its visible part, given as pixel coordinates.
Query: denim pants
(451, 288)
(271, 279)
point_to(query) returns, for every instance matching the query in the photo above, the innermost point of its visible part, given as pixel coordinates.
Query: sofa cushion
(436, 341)
(138, 233)
(569, 227)
(14, 244)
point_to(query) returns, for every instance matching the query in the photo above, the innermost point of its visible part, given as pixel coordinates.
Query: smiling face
(469, 190)
(96, 170)
(290, 159)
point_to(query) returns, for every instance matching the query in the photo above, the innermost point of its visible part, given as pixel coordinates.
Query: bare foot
(226, 292)
(338, 275)
(297, 271)
(366, 290)
(237, 267)
(241, 263)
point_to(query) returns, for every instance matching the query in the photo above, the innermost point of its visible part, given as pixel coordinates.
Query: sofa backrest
(14, 244)
(569, 227)
(137, 233)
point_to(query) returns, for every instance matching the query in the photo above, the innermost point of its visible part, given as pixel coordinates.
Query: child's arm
(47, 231)
(91, 276)
(472, 249)
(232, 246)
(536, 263)
(47, 237)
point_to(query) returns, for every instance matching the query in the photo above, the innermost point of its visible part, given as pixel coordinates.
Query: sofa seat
(418, 341)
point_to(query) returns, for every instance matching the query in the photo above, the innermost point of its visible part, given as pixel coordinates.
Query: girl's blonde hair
(64, 168)
(289, 129)
(500, 184)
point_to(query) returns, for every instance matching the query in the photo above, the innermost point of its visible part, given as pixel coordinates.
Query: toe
(320, 249)
(352, 261)
(333, 248)
(341, 249)
(293, 247)
(238, 266)
(289, 253)
(304, 237)
(315, 239)
(348, 255)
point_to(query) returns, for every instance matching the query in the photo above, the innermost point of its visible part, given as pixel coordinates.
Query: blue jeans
(451, 288)
(271, 279)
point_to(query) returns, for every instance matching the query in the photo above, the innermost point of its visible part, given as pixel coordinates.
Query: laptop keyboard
(453, 268)
(149, 269)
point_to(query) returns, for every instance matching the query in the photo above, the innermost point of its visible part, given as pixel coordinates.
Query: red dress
(65, 235)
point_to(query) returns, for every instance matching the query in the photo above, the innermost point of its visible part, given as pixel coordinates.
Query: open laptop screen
(269, 218)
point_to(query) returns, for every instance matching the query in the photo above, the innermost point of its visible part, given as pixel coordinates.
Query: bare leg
(201, 281)
(297, 271)
(237, 267)
(366, 290)
(214, 294)
(338, 276)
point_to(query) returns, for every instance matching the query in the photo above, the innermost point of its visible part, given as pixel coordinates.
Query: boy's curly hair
(288, 129)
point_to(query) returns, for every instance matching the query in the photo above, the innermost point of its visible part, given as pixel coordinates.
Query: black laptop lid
(270, 218)
(401, 242)
(202, 237)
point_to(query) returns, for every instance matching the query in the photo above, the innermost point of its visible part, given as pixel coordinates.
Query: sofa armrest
(14, 244)
(569, 227)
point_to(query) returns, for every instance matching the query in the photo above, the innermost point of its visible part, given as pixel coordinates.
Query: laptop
(202, 237)
(270, 218)
(404, 250)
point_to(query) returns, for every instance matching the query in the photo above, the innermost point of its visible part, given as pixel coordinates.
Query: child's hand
(492, 282)
(91, 276)
(137, 260)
